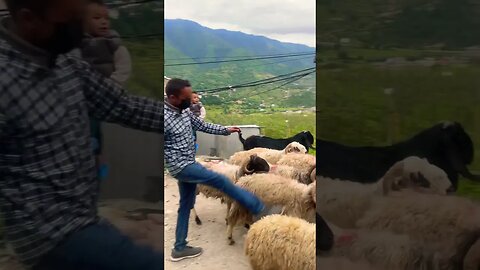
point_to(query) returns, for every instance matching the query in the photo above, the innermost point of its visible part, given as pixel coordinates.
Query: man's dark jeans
(195, 174)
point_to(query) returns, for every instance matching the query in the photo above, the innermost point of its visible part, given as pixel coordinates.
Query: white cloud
(287, 20)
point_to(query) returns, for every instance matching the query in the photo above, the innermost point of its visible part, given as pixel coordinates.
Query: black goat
(445, 145)
(305, 138)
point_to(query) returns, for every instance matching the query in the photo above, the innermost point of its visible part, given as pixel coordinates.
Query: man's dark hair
(174, 86)
(38, 6)
(194, 92)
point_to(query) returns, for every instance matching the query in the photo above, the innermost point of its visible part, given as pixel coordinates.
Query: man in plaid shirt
(48, 183)
(180, 161)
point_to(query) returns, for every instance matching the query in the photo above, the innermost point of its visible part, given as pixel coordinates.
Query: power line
(236, 60)
(289, 81)
(258, 82)
(278, 62)
(232, 57)
(274, 79)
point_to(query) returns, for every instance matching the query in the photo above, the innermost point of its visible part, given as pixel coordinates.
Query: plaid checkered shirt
(179, 145)
(48, 182)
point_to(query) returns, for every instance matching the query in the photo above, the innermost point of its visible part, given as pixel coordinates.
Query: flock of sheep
(406, 219)
(282, 179)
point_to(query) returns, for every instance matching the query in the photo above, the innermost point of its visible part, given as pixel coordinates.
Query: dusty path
(211, 235)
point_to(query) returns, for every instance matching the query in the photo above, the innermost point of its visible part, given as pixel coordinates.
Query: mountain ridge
(188, 41)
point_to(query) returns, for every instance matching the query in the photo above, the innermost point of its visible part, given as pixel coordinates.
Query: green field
(354, 108)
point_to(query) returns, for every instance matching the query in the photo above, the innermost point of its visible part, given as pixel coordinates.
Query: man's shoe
(187, 253)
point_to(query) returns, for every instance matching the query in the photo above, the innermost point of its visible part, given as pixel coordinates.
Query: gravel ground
(211, 235)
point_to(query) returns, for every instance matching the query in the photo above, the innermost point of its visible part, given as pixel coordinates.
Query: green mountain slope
(189, 42)
(400, 23)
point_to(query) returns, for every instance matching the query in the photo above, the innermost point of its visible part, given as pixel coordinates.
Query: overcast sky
(287, 20)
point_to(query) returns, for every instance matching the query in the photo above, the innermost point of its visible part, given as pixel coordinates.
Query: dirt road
(211, 235)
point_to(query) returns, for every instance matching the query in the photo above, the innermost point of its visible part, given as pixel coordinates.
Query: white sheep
(451, 223)
(301, 162)
(253, 164)
(387, 251)
(344, 202)
(272, 156)
(282, 243)
(296, 199)
(302, 176)
(379, 250)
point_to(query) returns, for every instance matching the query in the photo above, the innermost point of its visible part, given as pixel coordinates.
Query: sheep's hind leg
(229, 205)
(197, 219)
(230, 234)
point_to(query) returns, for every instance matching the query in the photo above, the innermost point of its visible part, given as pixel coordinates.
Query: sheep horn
(247, 171)
(391, 175)
(245, 167)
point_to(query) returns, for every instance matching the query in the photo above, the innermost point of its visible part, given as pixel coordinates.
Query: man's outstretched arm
(200, 125)
(108, 101)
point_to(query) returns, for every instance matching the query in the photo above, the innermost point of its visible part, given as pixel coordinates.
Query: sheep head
(295, 147)
(417, 174)
(254, 164)
(395, 180)
(426, 177)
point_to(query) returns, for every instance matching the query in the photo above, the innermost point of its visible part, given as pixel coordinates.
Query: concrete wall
(135, 160)
(224, 146)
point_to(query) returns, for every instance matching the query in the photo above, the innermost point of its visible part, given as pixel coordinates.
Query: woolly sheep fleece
(277, 190)
(272, 156)
(291, 172)
(448, 221)
(281, 243)
(302, 162)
